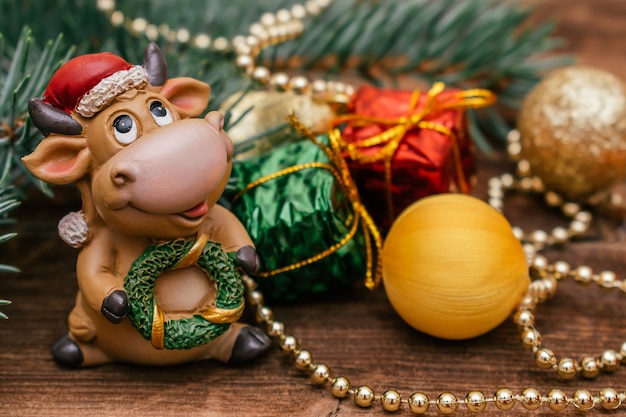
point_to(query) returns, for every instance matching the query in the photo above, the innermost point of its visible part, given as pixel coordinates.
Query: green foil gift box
(302, 210)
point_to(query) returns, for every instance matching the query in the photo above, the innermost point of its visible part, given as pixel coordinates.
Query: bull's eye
(160, 114)
(125, 129)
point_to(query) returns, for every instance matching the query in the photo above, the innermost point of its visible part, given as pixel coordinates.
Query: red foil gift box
(405, 145)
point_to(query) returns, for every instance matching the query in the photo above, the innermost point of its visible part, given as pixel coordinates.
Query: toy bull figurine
(158, 270)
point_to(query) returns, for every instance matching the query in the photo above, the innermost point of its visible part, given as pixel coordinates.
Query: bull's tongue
(197, 211)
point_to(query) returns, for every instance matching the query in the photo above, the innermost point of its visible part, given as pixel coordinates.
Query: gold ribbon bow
(391, 138)
(339, 169)
(373, 274)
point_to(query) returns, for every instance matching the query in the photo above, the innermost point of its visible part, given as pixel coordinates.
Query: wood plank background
(357, 334)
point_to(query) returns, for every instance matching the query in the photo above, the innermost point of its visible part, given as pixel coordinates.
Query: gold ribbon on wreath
(391, 138)
(339, 169)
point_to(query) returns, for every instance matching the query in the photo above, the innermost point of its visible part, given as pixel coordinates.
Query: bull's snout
(169, 170)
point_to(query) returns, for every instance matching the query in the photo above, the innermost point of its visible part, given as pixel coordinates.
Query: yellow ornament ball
(573, 131)
(452, 267)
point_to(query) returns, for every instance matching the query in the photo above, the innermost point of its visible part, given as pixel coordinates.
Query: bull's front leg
(100, 293)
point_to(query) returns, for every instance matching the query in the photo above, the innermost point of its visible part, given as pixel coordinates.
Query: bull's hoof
(251, 343)
(115, 306)
(248, 259)
(67, 353)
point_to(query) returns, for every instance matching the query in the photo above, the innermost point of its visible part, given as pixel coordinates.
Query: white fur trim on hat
(110, 87)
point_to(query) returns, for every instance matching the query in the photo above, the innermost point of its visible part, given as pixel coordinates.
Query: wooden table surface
(357, 334)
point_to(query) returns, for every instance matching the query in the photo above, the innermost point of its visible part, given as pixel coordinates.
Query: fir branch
(466, 44)
(4, 303)
(24, 72)
(8, 202)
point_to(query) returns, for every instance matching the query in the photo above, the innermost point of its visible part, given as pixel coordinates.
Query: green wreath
(188, 332)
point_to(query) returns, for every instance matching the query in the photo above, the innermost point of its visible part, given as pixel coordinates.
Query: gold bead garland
(538, 239)
(446, 402)
(543, 289)
(270, 29)
(545, 286)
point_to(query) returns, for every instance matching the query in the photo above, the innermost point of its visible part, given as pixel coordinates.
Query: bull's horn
(49, 119)
(155, 65)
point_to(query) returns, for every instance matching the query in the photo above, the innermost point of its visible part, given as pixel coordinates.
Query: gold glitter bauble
(573, 131)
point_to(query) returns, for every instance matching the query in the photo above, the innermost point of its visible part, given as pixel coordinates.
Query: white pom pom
(73, 229)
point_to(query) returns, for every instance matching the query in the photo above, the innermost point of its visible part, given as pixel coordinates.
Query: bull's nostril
(123, 174)
(120, 180)
(215, 119)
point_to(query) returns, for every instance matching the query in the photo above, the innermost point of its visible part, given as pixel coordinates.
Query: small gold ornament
(266, 112)
(573, 131)
(452, 266)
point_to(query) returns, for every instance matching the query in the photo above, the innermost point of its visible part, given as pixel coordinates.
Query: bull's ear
(59, 159)
(189, 96)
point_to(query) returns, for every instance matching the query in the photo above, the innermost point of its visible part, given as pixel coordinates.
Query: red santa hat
(87, 83)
